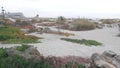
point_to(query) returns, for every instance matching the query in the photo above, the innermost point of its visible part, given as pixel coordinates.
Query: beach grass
(83, 41)
(14, 35)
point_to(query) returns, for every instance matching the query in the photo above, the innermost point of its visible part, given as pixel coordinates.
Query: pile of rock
(29, 53)
(108, 59)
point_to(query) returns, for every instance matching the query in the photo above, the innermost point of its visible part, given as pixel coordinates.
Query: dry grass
(61, 61)
(83, 24)
(66, 34)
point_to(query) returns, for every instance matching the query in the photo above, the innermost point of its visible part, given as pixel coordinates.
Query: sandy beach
(52, 45)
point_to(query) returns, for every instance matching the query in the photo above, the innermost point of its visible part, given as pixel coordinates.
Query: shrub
(16, 61)
(4, 37)
(15, 35)
(73, 65)
(22, 48)
(3, 53)
(82, 24)
(83, 41)
(60, 20)
(23, 39)
(108, 21)
(67, 61)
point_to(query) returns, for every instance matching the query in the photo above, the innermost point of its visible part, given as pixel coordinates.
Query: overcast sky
(67, 8)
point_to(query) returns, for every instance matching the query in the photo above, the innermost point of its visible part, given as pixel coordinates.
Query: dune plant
(83, 41)
(22, 48)
(73, 65)
(82, 24)
(15, 35)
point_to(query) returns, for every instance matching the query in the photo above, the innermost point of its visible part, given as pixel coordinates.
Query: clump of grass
(83, 41)
(108, 21)
(17, 61)
(74, 65)
(3, 53)
(22, 48)
(26, 39)
(68, 62)
(15, 35)
(82, 24)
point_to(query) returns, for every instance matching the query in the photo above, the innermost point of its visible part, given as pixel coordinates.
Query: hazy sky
(67, 8)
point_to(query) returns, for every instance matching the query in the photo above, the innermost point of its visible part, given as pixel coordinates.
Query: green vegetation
(108, 21)
(19, 22)
(17, 61)
(20, 62)
(8, 60)
(83, 41)
(3, 53)
(15, 35)
(82, 24)
(22, 48)
(60, 20)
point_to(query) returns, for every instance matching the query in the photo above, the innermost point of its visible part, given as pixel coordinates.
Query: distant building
(16, 15)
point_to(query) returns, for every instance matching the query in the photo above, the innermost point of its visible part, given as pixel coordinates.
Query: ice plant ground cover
(83, 41)
(13, 35)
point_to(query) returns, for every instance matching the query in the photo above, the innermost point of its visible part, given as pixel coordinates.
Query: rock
(96, 57)
(109, 53)
(118, 58)
(108, 59)
(29, 53)
(99, 62)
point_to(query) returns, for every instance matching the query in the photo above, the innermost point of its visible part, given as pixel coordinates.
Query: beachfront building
(16, 15)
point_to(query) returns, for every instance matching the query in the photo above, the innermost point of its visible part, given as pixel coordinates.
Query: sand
(52, 45)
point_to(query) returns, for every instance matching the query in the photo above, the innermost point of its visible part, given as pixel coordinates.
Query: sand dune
(53, 46)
